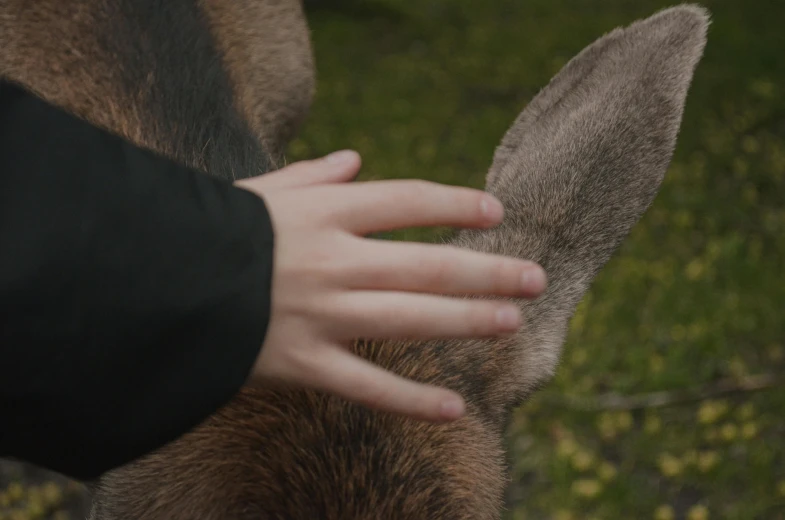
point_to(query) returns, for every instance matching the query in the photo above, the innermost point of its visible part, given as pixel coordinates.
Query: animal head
(576, 170)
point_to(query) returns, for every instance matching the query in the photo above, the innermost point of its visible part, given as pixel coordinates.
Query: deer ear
(580, 166)
(635, 78)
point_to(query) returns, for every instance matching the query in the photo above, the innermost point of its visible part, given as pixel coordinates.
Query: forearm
(134, 293)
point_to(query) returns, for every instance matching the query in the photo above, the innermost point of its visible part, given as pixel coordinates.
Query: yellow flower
(607, 471)
(737, 367)
(563, 515)
(664, 512)
(746, 411)
(566, 447)
(707, 460)
(607, 426)
(18, 514)
(670, 466)
(749, 430)
(694, 271)
(652, 425)
(678, 331)
(776, 353)
(698, 512)
(764, 88)
(52, 493)
(519, 514)
(624, 421)
(15, 492)
(587, 488)
(35, 510)
(750, 145)
(33, 494)
(582, 460)
(710, 411)
(656, 364)
(729, 432)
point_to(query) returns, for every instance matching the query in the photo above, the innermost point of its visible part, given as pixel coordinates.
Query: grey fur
(583, 162)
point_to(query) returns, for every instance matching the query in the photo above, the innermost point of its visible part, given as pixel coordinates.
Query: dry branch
(613, 401)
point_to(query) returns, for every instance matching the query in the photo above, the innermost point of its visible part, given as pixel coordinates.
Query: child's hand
(331, 285)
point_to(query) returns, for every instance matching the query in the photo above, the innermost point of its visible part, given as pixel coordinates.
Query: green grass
(426, 89)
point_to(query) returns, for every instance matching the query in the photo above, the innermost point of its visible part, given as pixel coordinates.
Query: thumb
(341, 166)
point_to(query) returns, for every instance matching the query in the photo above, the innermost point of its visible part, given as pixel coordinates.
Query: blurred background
(669, 402)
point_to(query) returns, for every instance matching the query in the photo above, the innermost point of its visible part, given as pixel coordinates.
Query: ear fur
(668, 44)
(580, 166)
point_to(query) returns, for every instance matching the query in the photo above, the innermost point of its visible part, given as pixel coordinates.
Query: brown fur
(221, 86)
(266, 49)
(576, 171)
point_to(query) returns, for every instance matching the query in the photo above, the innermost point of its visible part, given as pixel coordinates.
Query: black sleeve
(134, 293)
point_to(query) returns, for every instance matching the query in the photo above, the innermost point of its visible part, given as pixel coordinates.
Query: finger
(374, 314)
(341, 166)
(355, 379)
(400, 266)
(386, 205)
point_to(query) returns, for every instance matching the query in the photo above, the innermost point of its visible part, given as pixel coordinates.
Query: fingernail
(452, 408)
(508, 318)
(533, 279)
(340, 157)
(491, 208)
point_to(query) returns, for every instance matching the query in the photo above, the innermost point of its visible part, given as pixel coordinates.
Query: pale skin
(331, 284)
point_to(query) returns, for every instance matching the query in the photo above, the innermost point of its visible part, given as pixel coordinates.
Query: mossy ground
(426, 89)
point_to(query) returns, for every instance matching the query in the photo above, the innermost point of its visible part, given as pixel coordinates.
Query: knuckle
(420, 191)
(475, 318)
(404, 322)
(389, 279)
(439, 271)
(331, 266)
(423, 185)
(470, 205)
(301, 362)
(376, 395)
(311, 274)
(486, 317)
(298, 167)
(507, 275)
(321, 265)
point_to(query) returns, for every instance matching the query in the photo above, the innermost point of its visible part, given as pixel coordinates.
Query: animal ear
(582, 163)
(652, 58)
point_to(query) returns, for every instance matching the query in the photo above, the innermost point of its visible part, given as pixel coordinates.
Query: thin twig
(613, 401)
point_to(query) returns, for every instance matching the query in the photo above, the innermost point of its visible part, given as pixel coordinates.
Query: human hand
(331, 285)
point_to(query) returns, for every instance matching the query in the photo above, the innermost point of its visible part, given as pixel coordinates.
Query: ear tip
(673, 38)
(691, 20)
(696, 12)
(653, 57)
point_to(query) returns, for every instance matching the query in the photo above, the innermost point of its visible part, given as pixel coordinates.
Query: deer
(223, 87)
